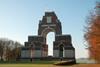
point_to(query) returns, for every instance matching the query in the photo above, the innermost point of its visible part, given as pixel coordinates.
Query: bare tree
(1, 50)
(9, 50)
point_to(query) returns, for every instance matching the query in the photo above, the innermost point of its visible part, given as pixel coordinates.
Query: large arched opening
(49, 40)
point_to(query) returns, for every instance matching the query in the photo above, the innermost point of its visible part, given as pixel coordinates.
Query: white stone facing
(37, 53)
(69, 53)
(25, 53)
(32, 53)
(49, 19)
(48, 25)
(44, 53)
(55, 53)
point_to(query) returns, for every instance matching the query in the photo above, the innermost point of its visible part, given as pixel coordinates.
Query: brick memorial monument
(36, 46)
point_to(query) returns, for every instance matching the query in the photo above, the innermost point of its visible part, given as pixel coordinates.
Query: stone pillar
(45, 50)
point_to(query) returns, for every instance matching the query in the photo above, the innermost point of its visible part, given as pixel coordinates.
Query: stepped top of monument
(50, 13)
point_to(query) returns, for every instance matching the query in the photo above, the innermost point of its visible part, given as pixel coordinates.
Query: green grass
(26, 65)
(27, 62)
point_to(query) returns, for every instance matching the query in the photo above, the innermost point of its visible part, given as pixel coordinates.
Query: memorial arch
(46, 31)
(36, 47)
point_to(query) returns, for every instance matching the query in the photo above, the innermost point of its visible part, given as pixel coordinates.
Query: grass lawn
(48, 65)
(27, 62)
(26, 65)
(41, 64)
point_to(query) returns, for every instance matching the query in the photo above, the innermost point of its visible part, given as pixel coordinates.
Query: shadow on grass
(65, 63)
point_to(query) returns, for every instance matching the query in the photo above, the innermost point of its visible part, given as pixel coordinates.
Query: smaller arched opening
(61, 50)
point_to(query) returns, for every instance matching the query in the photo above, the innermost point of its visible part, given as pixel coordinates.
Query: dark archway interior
(61, 49)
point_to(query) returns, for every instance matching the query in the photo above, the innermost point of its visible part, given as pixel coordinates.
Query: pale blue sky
(20, 18)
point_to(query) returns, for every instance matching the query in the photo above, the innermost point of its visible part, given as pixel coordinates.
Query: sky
(20, 18)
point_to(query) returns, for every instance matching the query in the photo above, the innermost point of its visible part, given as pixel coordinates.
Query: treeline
(9, 49)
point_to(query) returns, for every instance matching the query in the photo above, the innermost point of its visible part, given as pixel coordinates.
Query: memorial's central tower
(49, 23)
